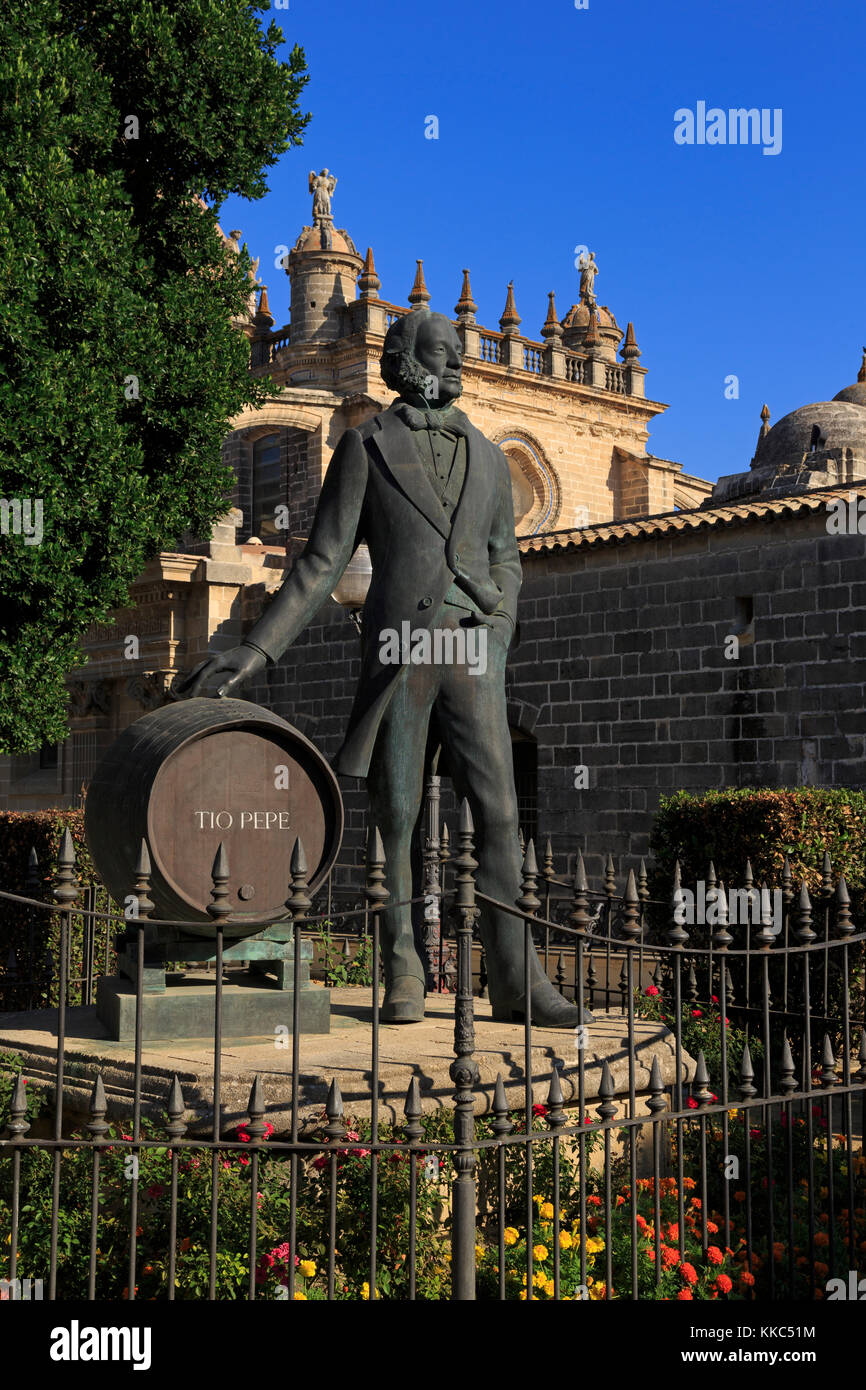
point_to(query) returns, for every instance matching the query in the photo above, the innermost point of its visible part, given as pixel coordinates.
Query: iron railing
(582, 1194)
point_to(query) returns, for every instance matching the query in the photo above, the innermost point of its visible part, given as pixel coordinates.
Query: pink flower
(696, 1013)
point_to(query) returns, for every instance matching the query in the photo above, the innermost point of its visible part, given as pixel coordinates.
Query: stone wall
(623, 657)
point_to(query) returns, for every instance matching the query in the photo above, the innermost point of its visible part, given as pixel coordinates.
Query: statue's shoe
(403, 1002)
(547, 1009)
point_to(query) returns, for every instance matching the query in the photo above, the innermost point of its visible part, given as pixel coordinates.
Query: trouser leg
(395, 784)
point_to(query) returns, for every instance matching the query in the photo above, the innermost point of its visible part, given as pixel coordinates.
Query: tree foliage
(113, 268)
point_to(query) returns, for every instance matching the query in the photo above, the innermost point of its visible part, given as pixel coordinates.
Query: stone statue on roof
(321, 186)
(588, 271)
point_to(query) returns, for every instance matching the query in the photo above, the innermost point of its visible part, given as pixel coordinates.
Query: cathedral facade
(636, 574)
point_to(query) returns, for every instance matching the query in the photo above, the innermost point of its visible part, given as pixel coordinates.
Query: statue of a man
(588, 272)
(431, 497)
(321, 186)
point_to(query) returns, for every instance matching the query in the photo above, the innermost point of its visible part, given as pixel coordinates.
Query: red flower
(714, 999)
(156, 1190)
(670, 1257)
(539, 1110)
(693, 1104)
(723, 1283)
(714, 1255)
(696, 1013)
(755, 1132)
(684, 1294)
(651, 990)
(593, 1201)
(689, 1273)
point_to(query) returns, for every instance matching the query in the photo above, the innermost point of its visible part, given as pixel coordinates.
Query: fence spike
(610, 877)
(555, 1111)
(413, 1129)
(748, 876)
(676, 933)
(657, 1101)
(788, 1081)
(804, 931)
(560, 973)
(827, 875)
(219, 908)
(529, 902)
(501, 1122)
(631, 909)
(747, 1074)
(175, 1108)
(643, 882)
(828, 1063)
(701, 1084)
(335, 1128)
(548, 859)
(67, 887)
(18, 1124)
(298, 902)
(444, 844)
(844, 924)
(787, 882)
(579, 916)
(606, 1091)
(766, 936)
(256, 1110)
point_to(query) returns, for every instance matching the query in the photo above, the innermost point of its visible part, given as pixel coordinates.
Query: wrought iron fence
(718, 1145)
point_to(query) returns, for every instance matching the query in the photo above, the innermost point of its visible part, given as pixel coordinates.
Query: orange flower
(822, 1238)
(723, 1283)
(696, 1203)
(670, 1257)
(689, 1184)
(712, 1228)
(689, 1273)
(714, 1255)
(739, 1196)
(684, 1294)
(747, 1278)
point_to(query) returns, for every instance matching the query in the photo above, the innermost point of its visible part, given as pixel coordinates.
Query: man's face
(439, 351)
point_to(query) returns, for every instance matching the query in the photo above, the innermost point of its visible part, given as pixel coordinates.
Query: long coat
(376, 491)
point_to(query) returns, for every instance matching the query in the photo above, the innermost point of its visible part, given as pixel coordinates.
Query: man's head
(423, 357)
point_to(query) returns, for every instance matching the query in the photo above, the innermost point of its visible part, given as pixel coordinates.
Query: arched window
(267, 490)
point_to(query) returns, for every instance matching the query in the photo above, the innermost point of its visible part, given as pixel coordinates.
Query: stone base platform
(186, 1009)
(424, 1049)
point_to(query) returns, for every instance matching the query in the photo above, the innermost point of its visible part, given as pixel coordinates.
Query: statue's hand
(223, 674)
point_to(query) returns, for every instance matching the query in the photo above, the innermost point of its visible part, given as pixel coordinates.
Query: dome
(836, 424)
(578, 317)
(311, 240)
(855, 395)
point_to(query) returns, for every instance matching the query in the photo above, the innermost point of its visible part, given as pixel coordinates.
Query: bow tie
(452, 420)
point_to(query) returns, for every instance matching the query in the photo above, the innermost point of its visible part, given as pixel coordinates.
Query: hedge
(21, 831)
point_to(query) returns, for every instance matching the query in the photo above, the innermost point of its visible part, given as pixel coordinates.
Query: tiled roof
(695, 519)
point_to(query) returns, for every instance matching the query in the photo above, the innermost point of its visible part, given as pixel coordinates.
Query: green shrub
(34, 934)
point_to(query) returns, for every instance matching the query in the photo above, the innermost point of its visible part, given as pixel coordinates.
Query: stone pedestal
(184, 1009)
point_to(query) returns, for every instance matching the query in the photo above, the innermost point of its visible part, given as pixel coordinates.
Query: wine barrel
(202, 771)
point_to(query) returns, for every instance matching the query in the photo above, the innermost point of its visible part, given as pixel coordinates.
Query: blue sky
(556, 129)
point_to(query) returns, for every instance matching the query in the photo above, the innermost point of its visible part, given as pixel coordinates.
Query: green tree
(124, 128)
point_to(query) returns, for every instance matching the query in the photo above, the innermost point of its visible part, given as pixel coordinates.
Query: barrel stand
(181, 1006)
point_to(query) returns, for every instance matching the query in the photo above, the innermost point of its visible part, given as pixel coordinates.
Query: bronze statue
(431, 497)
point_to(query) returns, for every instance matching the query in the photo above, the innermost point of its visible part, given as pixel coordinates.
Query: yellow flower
(365, 1290)
(510, 1235)
(523, 1295)
(523, 1280)
(565, 1240)
(546, 1211)
(538, 1199)
(301, 1296)
(307, 1268)
(479, 1252)
(550, 1288)
(539, 1252)
(539, 1279)
(594, 1245)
